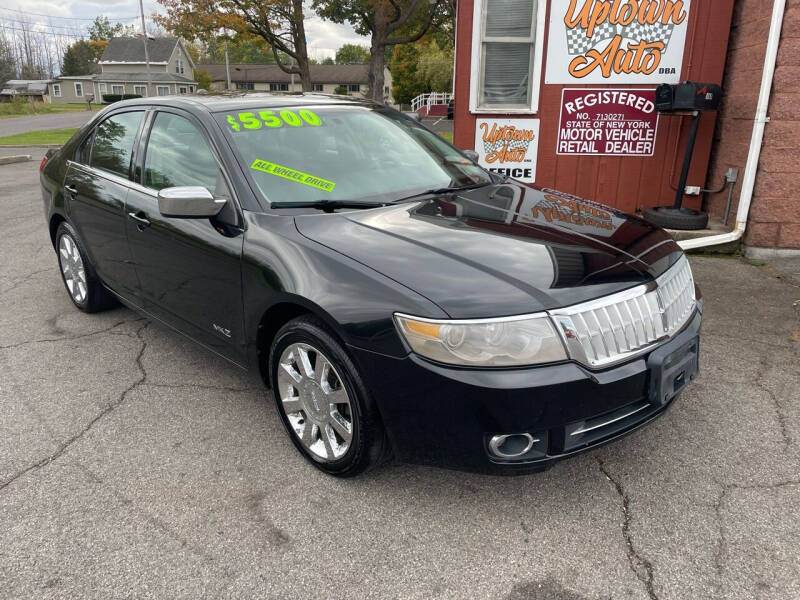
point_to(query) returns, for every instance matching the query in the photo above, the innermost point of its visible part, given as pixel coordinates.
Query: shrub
(111, 98)
(340, 89)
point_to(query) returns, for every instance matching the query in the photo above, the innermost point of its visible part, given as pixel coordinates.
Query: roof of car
(236, 101)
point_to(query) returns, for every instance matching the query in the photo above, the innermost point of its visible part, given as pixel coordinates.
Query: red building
(560, 93)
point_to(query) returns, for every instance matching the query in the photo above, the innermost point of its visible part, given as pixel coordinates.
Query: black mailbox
(688, 95)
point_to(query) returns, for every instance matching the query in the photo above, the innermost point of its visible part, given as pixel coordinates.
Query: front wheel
(322, 401)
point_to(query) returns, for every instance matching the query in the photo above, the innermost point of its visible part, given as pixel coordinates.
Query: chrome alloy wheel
(315, 401)
(69, 258)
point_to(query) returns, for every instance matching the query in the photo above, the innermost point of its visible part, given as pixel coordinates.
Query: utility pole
(146, 52)
(227, 66)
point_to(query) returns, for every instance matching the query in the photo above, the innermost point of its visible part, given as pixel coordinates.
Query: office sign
(616, 41)
(607, 122)
(508, 146)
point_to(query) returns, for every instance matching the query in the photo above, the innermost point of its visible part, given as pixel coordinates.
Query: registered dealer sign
(607, 122)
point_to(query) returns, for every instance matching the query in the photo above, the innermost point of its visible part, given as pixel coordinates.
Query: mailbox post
(687, 98)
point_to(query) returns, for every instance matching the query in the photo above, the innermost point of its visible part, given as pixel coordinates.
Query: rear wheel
(322, 400)
(83, 285)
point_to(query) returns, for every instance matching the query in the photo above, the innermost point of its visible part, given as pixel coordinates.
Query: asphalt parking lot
(135, 464)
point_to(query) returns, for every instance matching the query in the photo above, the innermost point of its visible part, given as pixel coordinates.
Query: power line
(39, 32)
(25, 12)
(33, 24)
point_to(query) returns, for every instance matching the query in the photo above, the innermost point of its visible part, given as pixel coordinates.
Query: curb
(14, 158)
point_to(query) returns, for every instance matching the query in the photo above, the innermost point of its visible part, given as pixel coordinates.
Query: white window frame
(353, 87)
(56, 90)
(103, 89)
(162, 87)
(113, 90)
(476, 62)
(183, 89)
(317, 87)
(179, 66)
(78, 84)
(140, 87)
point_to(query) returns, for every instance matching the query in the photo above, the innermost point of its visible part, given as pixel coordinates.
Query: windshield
(338, 153)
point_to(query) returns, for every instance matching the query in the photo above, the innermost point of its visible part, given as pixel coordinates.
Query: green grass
(39, 138)
(21, 109)
(446, 135)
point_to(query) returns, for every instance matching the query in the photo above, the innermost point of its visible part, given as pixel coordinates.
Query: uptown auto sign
(508, 146)
(616, 41)
(607, 122)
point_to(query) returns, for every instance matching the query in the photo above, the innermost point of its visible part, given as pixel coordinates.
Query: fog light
(511, 445)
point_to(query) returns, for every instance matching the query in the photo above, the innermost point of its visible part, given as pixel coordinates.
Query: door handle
(71, 189)
(141, 220)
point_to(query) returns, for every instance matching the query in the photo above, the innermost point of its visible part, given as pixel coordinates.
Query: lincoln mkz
(398, 299)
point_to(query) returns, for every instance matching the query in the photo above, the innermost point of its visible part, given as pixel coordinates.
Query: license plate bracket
(673, 366)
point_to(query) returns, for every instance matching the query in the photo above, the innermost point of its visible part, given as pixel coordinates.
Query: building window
(102, 88)
(79, 89)
(57, 90)
(179, 66)
(317, 87)
(140, 90)
(353, 87)
(507, 55)
(162, 90)
(191, 89)
(245, 85)
(182, 90)
(278, 87)
(118, 90)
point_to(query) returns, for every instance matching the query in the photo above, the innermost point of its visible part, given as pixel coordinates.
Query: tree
(341, 90)
(352, 54)
(203, 79)
(328, 61)
(388, 22)
(79, 59)
(405, 81)
(8, 69)
(435, 69)
(102, 29)
(278, 22)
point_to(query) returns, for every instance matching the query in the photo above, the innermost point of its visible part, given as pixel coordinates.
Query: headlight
(504, 342)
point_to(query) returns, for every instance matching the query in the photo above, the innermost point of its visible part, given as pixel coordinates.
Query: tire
(671, 218)
(83, 286)
(316, 400)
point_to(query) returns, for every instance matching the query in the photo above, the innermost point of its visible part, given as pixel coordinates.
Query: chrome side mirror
(472, 155)
(189, 202)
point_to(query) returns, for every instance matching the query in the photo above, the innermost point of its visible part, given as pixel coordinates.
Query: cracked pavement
(135, 464)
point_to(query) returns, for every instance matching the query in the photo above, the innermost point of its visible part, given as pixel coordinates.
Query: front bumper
(445, 416)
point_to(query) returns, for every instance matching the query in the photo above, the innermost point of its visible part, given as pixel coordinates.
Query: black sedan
(398, 299)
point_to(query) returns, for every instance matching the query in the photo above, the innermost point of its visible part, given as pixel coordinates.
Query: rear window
(113, 143)
(352, 153)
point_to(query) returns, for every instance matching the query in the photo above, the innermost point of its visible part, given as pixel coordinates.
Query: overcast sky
(72, 16)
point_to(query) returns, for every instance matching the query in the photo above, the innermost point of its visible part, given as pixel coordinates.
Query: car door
(96, 186)
(188, 268)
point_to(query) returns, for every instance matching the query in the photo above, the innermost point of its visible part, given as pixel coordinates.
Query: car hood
(499, 250)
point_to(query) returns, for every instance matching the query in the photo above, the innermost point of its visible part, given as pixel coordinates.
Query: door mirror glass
(189, 202)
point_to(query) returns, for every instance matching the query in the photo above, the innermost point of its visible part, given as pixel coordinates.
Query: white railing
(429, 99)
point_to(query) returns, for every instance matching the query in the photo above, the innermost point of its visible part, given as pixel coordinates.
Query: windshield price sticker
(267, 118)
(293, 175)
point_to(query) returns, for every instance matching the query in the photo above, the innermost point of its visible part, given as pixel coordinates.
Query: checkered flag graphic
(579, 43)
(489, 147)
(649, 32)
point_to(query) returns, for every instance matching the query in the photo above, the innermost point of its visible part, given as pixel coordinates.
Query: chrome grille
(616, 327)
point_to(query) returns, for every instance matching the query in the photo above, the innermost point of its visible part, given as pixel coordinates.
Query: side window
(82, 155)
(113, 143)
(178, 155)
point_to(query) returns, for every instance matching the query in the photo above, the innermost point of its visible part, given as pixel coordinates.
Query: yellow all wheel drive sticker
(293, 174)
